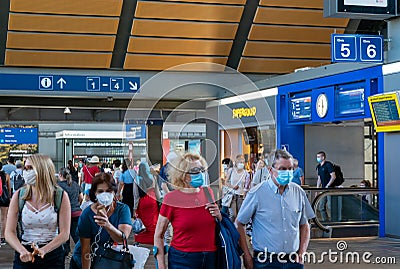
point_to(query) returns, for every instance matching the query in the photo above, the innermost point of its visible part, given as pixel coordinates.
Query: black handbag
(5, 195)
(108, 258)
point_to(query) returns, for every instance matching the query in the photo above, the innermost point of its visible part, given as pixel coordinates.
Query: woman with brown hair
(44, 227)
(103, 221)
(191, 215)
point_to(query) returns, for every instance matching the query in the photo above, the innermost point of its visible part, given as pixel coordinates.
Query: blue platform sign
(371, 48)
(69, 83)
(356, 48)
(344, 48)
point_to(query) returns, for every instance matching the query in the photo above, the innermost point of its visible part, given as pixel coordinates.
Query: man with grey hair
(279, 210)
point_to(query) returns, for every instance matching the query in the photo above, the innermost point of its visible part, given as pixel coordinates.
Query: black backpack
(19, 181)
(339, 175)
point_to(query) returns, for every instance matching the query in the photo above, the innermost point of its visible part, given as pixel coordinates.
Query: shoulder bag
(105, 257)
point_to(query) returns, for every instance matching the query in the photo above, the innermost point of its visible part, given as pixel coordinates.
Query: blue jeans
(191, 260)
(275, 264)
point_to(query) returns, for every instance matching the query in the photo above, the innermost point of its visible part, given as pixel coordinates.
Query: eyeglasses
(196, 170)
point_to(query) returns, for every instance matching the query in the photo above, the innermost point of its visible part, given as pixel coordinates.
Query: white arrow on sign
(61, 81)
(133, 86)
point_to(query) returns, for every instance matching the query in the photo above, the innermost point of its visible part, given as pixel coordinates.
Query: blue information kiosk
(331, 100)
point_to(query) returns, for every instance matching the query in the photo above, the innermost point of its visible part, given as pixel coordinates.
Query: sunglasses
(196, 170)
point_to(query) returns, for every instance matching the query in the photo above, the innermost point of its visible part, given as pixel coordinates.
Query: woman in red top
(89, 171)
(191, 216)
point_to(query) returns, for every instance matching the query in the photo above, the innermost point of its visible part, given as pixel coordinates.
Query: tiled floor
(341, 250)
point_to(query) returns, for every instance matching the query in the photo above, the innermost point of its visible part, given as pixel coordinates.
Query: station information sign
(69, 83)
(300, 108)
(18, 136)
(385, 111)
(356, 48)
(349, 100)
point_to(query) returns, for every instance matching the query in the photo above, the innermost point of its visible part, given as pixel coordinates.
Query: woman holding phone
(103, 221)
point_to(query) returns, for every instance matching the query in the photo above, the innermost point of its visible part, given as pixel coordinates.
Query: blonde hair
(180, 166)
(45, 178)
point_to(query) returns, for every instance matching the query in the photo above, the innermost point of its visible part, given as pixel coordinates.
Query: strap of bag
(208, 195)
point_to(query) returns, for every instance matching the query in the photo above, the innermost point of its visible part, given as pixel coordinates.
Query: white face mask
(240, 165)
(105, 198)
(29, 177)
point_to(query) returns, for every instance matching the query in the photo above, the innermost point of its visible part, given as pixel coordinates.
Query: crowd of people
(94, 208)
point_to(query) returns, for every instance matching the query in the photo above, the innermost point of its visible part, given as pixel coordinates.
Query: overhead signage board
(360, 9)
(356, 48)
(18, 136)
(385, 111)
(69, 83)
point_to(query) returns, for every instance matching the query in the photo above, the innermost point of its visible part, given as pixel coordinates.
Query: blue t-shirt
(88, 228)
(128, 176)
(297, 174)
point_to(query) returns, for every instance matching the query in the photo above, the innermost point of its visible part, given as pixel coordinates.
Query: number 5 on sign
(344, 48)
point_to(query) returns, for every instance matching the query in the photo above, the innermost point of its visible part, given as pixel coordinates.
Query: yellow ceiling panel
(62, 24)
(184, 29)
(287, 50)
(275, 66)
(179, 11)
(57, 59)
(225, 2)
(179, 46)
(78, 7)
(161, 62)
(296, 17)
(290, 3)
(18, 40)
(293, 33)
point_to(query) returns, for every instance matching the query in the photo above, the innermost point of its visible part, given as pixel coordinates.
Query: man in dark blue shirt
(326, 177)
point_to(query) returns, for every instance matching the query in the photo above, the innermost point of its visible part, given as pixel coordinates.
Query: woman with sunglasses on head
(103, 221)
(191, 215)
(45, 217)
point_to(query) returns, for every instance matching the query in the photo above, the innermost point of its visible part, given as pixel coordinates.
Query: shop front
(248, 128)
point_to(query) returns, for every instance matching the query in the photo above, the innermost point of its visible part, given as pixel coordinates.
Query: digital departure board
(300, 108)
(385, 112)
(349, 100)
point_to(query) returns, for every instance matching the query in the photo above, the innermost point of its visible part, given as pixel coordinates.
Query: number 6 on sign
(371, 48)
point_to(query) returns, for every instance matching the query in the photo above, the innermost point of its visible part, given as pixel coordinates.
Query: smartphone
(101, 210)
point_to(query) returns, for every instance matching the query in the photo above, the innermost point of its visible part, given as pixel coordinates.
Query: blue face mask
(197, 180)
(319, 160)
(284, 177)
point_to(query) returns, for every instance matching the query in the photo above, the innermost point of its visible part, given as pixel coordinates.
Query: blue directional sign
(356, 48)
(69, 83)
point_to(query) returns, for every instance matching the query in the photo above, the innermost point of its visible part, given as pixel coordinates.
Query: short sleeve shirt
(128, 176)
(88, 228)
(297, 174)
(276, 217)
(193, 225)
(324, 172)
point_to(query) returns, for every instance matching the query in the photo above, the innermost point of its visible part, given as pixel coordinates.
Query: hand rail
(336, 191)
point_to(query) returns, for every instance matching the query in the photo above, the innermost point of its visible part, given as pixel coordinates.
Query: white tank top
(39, 226)
(239, 180)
